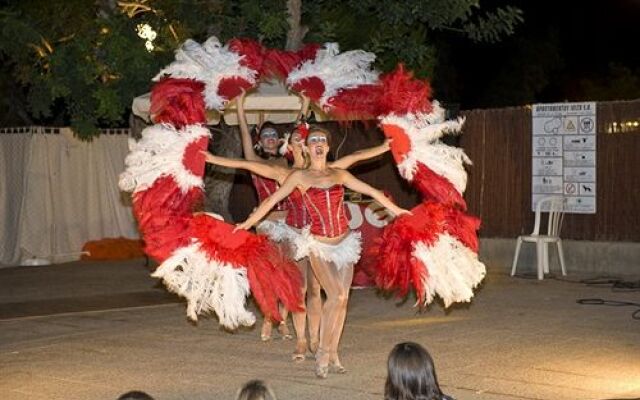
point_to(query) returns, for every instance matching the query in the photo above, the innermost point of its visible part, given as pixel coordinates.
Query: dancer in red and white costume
(297, 218)
(268, 153)
(331, 247)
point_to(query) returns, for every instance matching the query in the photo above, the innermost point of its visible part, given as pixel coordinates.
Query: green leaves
(491, 27)
(83, 66)
(405, 30)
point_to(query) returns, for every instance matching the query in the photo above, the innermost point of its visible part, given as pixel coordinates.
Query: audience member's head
(135, 395)
(255, 390)
(411, 374)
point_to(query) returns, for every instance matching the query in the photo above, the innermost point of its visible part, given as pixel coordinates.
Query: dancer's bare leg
(334, 283)
(283, 328)
(300, 318)
(267, 326)
(346, 278)
(314, 308)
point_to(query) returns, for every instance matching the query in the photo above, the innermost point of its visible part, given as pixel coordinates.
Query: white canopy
(270, 102)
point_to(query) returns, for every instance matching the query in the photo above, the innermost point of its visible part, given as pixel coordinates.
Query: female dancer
(290, 217)
(268, 147)
(332, 248)
(296, 219)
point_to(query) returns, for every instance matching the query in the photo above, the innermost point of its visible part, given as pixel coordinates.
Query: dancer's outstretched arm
(265, 170)
(360, 155)
(357, 185)
(287, 187)
(245, 136)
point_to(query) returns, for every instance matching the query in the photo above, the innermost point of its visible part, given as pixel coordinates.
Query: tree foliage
(406, 30)
(82, 63)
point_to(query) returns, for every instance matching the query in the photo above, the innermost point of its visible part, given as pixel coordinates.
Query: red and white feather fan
(324, 76)
(225, 70)
(201, 257)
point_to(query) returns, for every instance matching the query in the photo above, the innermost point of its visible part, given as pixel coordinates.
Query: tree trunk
(218, 181)
(296, 31)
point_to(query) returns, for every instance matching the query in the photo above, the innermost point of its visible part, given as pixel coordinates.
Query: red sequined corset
(265, 188)
(298, 216)
(326, 210)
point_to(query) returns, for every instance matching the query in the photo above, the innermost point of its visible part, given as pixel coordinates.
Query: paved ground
(94, 331)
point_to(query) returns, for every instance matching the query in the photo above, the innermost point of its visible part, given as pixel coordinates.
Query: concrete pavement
(98, 330)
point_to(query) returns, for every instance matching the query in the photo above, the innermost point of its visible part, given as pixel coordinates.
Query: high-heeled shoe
(283, 329)
(322, 364)
(265, 332)
(300, 351)
(335, 367)
(322, 371)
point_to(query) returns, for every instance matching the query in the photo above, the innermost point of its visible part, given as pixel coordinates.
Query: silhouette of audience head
(411, 374)
(255, 390)
(135, 395)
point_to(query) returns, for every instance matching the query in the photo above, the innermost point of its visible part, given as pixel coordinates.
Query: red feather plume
(313, 87)
(436, 187)
(272, 277)
(231, 87)
(397, 270)
(178, 102)
(403, 94)
(362, 102)
(163, 212)
(279, 63)
(253, 54)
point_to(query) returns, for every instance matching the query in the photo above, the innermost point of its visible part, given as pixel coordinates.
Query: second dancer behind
(267, 152)
(332, 248)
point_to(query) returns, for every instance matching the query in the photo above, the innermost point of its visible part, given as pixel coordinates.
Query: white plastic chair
(554, 224)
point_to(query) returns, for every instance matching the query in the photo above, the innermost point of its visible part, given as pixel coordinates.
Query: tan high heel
(284, 331)
(322, 366)
(300, 351)
(335, 366)
(265, 332)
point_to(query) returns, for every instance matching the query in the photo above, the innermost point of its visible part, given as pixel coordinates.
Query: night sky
(559, 45)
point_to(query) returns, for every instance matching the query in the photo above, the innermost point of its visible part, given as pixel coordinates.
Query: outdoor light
(145, 31)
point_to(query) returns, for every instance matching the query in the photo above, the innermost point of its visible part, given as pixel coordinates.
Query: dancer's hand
(208, 157)
(242, 226)
(398, 211)
(387, 144)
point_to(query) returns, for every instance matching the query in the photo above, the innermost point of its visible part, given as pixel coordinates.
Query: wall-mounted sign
(564, 155)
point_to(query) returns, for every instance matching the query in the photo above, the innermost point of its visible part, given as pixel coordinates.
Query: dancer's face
(269, 140)
(318, 144)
